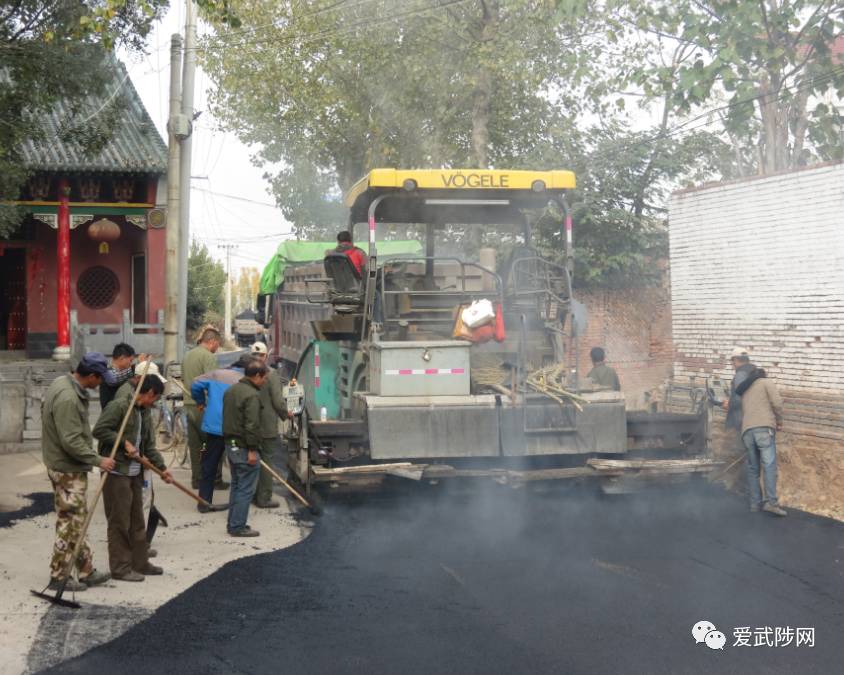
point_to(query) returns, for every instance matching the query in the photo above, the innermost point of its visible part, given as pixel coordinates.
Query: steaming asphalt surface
(508, 582)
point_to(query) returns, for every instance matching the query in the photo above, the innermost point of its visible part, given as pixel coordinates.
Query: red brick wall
(633, 325)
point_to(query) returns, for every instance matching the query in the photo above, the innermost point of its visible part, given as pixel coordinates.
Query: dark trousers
(244, 481)
(127, 534)
(270, 448)
(212, 458)
(196, 440)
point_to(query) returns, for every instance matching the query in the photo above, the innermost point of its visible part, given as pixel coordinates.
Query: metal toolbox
(435, 368)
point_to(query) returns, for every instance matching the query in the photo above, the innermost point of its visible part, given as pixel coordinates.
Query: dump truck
(439, 360)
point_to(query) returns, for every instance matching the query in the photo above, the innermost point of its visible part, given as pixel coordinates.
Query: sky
(230, 201)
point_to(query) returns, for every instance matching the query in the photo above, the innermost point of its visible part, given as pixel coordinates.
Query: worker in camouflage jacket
(123, 491)
(242, 437)
(68, 454)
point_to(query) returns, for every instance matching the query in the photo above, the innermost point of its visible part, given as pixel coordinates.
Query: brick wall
(760, 263)
(634, 326)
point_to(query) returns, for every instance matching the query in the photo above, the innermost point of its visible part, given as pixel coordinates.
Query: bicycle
(172, 421)
(172, 425)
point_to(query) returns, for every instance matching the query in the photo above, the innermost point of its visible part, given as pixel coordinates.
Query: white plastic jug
(479, 313)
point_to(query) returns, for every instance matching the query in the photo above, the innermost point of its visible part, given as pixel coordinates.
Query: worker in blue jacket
(207, 390)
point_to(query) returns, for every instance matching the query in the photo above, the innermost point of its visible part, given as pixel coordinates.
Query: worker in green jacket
(272, 408)
(198, 361)
(601, 374)
(127, 391)
(242, 438)
(68, 454)
(123, 491)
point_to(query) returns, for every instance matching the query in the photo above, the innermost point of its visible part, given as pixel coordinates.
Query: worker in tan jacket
(762, 417)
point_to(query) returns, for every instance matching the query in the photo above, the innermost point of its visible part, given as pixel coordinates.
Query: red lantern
(104, 231)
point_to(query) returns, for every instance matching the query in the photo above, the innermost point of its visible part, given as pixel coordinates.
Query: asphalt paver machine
(398, 378)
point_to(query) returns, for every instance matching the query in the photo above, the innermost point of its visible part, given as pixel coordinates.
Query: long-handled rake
(57, 599)
(312, 507)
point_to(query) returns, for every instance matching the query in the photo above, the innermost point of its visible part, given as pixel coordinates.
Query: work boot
(213, 508)
(152, 570)
(271, 504)
(129, 576)
(221, 485)
(244, 531)
(72, 585)
(775, 509)
(95, 578)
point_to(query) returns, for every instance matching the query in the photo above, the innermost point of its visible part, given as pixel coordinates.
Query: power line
(230, 196)
(274, 24)
(304, 38)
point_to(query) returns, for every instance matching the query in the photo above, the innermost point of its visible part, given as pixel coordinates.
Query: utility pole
(188, 78)
(228, 316)
(176, 130)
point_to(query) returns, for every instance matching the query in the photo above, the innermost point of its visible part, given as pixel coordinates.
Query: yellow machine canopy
(454, 195)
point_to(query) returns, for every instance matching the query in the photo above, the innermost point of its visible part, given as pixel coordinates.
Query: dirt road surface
(501, 581)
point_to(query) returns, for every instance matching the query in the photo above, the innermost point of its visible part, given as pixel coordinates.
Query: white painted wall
(760, 263)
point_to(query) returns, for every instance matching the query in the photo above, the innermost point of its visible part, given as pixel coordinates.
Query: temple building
(85, 268)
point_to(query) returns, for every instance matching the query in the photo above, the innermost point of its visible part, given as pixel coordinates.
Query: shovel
(149, 465)
(313, 508)
(57, 599)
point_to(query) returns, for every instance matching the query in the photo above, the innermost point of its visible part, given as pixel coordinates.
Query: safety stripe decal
(316, 366)
(425, 371)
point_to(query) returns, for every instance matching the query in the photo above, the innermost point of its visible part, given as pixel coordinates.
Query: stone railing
(146, 338)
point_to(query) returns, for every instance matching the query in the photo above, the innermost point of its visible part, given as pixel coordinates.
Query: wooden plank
(653, 466)
(322, 471)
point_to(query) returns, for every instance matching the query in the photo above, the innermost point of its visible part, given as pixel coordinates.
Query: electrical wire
(240, 199)
(305, 38)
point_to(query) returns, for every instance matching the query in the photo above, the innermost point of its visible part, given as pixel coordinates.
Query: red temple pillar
(62, 350)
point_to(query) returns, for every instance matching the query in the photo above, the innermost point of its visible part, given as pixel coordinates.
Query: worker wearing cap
(68, 454)
(128, 549)
(272, 408)
(740, 360)
(758, 414)
(127, 391)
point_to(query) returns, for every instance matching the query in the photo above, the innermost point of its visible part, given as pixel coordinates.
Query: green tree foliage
(327, 90)
(330, 89)
(245, 290)
(206, 285)
(760, 71)
(53, 50)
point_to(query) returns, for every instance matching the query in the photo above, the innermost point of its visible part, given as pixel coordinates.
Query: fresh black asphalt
(496, 580)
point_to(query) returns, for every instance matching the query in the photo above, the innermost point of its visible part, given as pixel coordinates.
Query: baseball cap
(259, 348)
(152, 371)
(95, 362)
(738, 352)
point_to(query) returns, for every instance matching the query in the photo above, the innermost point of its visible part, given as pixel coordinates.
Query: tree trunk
(481, 112)
(800, 115)
(480, 119)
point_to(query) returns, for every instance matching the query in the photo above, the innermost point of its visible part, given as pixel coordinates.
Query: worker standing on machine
(242, 437)
(352, 252)
(272, 408)
(601, 374)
